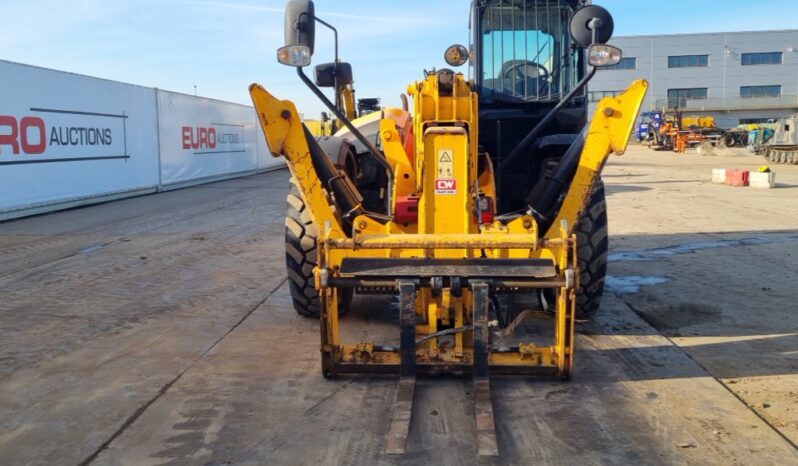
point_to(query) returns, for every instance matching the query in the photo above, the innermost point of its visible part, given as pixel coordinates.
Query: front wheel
(300, 257)
(592, 242)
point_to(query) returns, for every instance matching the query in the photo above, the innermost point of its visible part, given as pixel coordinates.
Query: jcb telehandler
(488, 186)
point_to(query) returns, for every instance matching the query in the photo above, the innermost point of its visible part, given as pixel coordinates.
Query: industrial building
(736, 77)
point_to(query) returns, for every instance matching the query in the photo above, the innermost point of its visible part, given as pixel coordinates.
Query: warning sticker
(445, 186)
(445, 163)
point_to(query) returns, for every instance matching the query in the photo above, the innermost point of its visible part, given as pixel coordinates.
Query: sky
(221, 46)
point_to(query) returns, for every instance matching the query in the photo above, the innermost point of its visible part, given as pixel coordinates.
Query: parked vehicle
(782, 147)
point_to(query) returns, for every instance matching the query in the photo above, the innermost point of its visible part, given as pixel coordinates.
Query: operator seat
(515, 85)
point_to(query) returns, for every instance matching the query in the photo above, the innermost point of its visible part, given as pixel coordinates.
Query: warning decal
(445, 186)
(445, 163)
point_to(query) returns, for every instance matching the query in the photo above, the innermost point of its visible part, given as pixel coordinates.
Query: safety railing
(728, 103)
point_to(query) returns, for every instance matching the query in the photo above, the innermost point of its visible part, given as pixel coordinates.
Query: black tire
(300, 254)
(300, 257)
(593, 243)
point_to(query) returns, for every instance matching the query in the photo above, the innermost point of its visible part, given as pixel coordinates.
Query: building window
(677, 97)
(761, 58)
(688, 61)
(595, 96)
(626, 63)
(760, 91)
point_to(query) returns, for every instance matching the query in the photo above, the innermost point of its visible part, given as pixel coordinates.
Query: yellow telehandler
(488, 186)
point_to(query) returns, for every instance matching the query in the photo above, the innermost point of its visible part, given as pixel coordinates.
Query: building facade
(735, 77)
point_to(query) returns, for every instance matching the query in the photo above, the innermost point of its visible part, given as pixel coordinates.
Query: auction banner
(66, 137)
(204, 138)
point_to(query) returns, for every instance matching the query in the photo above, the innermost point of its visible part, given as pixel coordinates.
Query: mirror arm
(335, 72)
(335, 34)
(594, 26)
(378, 157)
(533, 135)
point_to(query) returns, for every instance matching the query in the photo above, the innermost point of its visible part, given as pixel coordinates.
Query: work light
(294, 55)
(603, 55)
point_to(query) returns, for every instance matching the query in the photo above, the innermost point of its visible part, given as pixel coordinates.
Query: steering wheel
(521, 70)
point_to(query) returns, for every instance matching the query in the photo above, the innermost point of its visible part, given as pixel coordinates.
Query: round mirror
(588, 20)
(456, 55)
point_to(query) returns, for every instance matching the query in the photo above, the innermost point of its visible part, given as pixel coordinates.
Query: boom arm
(609, 132)
(286, 136)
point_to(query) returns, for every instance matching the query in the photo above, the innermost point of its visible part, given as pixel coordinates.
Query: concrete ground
(158, 330)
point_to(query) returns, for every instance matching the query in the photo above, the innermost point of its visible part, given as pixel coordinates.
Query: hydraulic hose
(546, 196)
(378, 157)
(346, 195)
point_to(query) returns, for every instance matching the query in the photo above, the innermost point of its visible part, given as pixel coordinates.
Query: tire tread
(593, 240)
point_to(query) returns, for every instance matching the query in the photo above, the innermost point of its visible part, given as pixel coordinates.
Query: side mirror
(300, 23)
(591, 25)
(326, 74)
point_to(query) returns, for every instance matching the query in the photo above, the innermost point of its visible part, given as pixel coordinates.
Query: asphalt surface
(158, 330)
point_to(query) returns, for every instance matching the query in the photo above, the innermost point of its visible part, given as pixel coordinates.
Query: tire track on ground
(775, 429)
(165, 388)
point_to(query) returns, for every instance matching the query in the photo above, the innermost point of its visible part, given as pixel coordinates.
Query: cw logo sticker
(445, 186)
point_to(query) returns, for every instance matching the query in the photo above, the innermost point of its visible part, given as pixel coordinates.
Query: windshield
(526, 50)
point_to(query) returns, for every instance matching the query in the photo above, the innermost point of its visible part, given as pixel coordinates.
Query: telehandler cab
(487, 187)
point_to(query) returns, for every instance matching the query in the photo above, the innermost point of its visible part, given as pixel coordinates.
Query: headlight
(294, 55)
(604, 55)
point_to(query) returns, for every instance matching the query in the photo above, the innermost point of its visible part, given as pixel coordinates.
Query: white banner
(65, 137)
(203, 138)
(68, 140)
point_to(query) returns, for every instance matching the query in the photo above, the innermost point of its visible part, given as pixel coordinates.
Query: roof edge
(765, 31)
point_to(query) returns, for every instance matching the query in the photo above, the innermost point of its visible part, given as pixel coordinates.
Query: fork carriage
(450, 297)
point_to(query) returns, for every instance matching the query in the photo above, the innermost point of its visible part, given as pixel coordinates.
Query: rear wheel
(593, 242)
(300, 257)
(727, 140)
